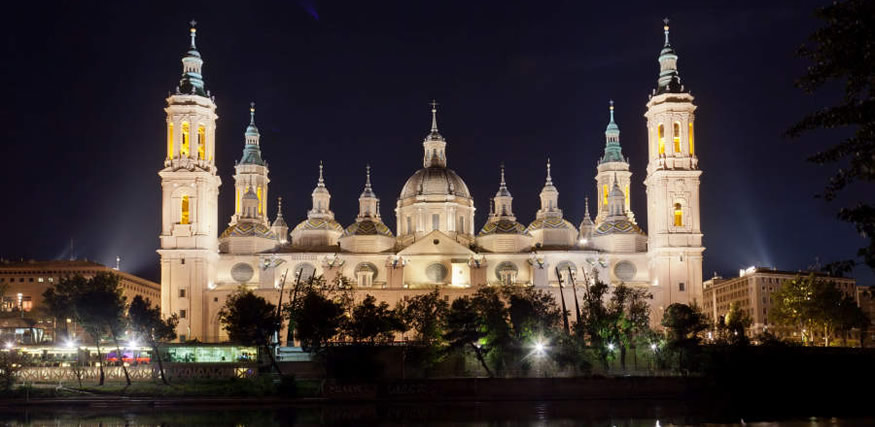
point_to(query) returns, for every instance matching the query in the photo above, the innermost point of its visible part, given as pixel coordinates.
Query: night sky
(348, 82)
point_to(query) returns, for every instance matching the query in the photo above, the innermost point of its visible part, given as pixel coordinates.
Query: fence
(173, 371)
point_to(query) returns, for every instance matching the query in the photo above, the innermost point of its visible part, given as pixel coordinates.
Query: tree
(251, 320)
(533, 313)
(371, 322)
(735, 324)
(427, 316)
(851, 316)
(58, 300)
(317, 319)
(146, 322)
(100, 307)
(465, 331)
(595, 323)
(842, 52)
(627, 318)
(684, 324)
(807, 304)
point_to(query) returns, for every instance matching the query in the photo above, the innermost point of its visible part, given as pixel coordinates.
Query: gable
(436, 243)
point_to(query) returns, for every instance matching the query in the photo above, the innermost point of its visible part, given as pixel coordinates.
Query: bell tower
(189, 199)
(673, 219)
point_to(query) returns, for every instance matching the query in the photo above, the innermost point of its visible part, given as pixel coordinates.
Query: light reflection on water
(460, 414)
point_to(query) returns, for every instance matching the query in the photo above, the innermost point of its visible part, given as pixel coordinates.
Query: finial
(193, 31)
(502, 175)
(434, 106)
(665, 28)
(612, 110)
(368, 176)
(549, 176)
(279, 201)
(252, 113)
(321, 179)
(586, 207)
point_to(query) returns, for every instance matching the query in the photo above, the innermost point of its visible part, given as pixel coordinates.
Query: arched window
(678, 215)
(237, 201)
(260, 208)
(690, 137)
(185, 217)
(605, 194)
(676, 137)
(201, 142)
(169, 140)
(627, 194)
(186, 134)
(660, 133)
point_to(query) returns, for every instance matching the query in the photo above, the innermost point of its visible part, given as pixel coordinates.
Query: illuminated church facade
(435, 242)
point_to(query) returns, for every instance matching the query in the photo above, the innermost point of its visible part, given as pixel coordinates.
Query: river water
(553, 413)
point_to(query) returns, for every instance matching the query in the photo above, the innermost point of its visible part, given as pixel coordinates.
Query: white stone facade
(435, 242)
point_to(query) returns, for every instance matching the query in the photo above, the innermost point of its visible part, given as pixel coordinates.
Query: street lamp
(611, 346)
(653, 346)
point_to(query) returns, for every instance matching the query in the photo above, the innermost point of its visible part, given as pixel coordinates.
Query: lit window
(201, 142)
(690, 137)
(660, 131)
(627, 194)
(678, 215)
(186, 137)
(237, 201)
(258, 193)
(676, 137)
(605, 194)
(170, 140)
(40, 280)
(185, 217)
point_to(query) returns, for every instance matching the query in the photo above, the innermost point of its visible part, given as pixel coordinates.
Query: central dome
(435, 181)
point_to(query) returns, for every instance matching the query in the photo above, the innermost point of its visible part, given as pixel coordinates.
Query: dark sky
(348, 82)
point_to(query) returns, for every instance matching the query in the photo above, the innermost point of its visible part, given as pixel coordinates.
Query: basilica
(436, 242)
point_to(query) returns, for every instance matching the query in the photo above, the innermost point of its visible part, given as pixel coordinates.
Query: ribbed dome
(248, 229)
(502, 226)
(621, 226)
(367, 228)
(435, 181)
(319, 224)
(551, 223)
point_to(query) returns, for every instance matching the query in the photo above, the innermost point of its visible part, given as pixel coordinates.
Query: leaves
(249, 319)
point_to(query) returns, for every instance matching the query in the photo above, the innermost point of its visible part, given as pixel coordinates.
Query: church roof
(550, 223)
(435, 180)
(619, 226)
(502, 226)
(319, 224)
(248, 229)
(368, 227)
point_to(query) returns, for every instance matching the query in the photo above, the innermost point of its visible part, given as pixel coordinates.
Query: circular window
(307, 270)
(505, 267)
(242, 272)
(625, 270)
(365, 267)
(436, 272)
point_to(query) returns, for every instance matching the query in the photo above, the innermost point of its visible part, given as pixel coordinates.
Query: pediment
(436, 243)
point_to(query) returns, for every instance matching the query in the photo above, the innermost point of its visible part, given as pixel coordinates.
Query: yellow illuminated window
(676, 137)
(185, 217)
(258, 193)
(605, 194)
(186, 133)
(690, 136)
(201, 142)
(170, 140)
(678, 215)
(627, 194)
(661, 135)
(237, 201)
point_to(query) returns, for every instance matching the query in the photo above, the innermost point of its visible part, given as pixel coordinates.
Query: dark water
(554, 413)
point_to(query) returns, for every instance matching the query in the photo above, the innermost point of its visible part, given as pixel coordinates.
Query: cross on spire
(252, 113)
(434, 106)
(193, 31)
(665, 28)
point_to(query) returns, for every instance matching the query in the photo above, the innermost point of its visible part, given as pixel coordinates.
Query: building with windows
(23, 283)
(435, 241)
(752, 290)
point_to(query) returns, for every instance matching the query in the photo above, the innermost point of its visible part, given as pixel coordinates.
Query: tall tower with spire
(190, 190)
(612, 164)
(251, 173)
(673, 218)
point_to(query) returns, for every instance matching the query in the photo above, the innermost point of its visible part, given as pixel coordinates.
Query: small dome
(551, 223)
(319, 224)
(250, 195)
(503, 226)
(620, 226)
(368, 228)
(435, 181)
(248, 229)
